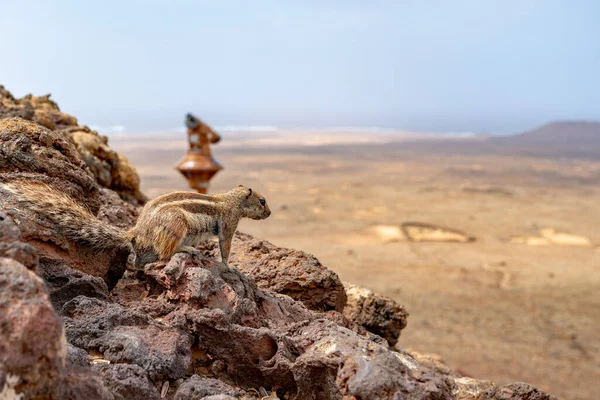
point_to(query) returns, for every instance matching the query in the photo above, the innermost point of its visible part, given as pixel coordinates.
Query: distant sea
(120, 130)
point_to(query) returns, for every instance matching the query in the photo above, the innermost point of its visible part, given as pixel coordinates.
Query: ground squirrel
(179, 221)
(168, 224)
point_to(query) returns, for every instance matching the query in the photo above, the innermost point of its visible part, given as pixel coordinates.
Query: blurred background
(445, 154)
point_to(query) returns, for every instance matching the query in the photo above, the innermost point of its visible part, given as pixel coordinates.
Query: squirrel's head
(253, 204)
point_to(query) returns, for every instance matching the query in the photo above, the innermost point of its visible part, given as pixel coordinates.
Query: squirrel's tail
(73, 220)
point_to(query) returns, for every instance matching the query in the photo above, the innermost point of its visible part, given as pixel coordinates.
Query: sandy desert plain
(492, 245)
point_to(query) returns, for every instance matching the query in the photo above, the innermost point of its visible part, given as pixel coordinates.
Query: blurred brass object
(198, 164)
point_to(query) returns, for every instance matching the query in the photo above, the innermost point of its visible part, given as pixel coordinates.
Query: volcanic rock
(11, 245)
(83, 383)
(198, 387)
(291, 272)
(32, 343)
(127, 382)
(110, 169)
(77, 357)
(31, 152)
(377, 314)
(127, 336)
(64, 283)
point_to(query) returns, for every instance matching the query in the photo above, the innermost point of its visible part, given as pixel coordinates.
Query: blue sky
(482, 65)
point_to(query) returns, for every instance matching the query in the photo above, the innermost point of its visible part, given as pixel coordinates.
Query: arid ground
(494, 251)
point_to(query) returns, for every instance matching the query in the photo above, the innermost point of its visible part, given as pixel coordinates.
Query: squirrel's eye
(262, 202)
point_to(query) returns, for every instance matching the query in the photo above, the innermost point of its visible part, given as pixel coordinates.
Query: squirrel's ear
(249, 193)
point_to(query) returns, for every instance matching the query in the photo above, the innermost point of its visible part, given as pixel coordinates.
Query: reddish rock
(199, 387)
(248, 336)
(336, 363)
(127, 336)
(115, 211)
(291, 272)
(32, 342)
(204, 283)
(433, 362)
(77, 357)
(31, 152)
(11, 245)
(109, 168)
(84, 384)
(342, 321)
(380, 315)
(472, 389)
(518, 391)
(64, 283)
(127, 382)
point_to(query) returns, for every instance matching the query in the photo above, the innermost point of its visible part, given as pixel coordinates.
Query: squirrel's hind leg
(169, 238)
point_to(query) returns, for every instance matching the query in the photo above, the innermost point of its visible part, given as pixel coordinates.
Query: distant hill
(571, 134)
(566, 139)
(572, 139)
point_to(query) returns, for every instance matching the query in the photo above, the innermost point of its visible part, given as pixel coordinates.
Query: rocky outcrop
(75, 324)
(11, 245)
(377, 314)
(39, 109)
(291, 272)
(246, 337)
(29, 151)
(32, 343)
(238, 337)
(109, 169)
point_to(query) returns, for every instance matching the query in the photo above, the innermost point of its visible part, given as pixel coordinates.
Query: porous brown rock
(29, 151)
(11, 245)
(65, 283)
(127, 381)
(32, 343)
(291, 272)
(199, 387)
(473, 389)
(198, 315)
(200, 282)
(127, 336)
(377, 314)
(39, 109)
(109, 168)
(77, 357)
(84, 384)
(115, 211)
(433, 362)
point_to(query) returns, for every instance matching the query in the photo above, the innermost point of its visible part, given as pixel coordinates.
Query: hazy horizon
(496, 67)
(122, 131)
